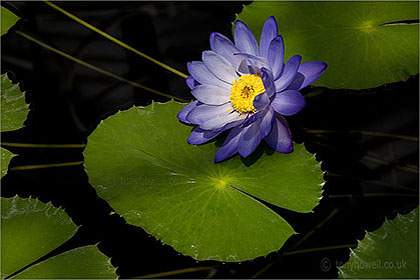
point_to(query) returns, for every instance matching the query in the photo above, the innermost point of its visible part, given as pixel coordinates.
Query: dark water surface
(67, 101)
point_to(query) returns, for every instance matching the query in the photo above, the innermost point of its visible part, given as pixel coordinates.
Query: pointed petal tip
(296, 57)
(239, 23)
(190, 82)
(217, 160)
(220, 156)
(245, 154)
(287, 150)
(322, 65)
(272, 20)
(181, 116)
(188, 67)
(211, 39)
(196, 140)
(177, 115)
(212, 34)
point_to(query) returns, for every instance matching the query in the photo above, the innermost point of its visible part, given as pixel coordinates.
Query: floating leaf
(31, 229)
(13, 113)
(392, 251)
(363, 43)
(80, 263)
(6, 156)
(8, 19)
(140, 162)
(13, 106)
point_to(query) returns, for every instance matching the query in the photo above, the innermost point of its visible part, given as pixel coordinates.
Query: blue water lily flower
(248, 89)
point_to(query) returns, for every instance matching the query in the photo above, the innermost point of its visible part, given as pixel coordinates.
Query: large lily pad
(31, 229)
(392, 251)
(8, 19)
(363, 43)
(13, 114)
(140, 162)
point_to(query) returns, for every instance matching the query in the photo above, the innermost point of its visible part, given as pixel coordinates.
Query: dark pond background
(367, 177)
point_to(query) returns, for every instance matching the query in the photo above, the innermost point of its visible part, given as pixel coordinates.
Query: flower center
(243, 92)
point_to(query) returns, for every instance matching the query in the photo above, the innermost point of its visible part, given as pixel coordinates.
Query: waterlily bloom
(246, 88)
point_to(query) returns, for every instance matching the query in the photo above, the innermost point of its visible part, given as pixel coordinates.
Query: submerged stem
(115, 40)
(95, 68)
(49, 165)
(35, 145)
(176, 272)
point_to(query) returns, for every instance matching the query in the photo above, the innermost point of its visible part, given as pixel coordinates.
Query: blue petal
(244, 39)
(230, 146)
(250, 138)
(280, 138)
(211, 117)
(267, 122)
(182, 116)
(205, 112)
(288, 102)
(219, 66)
(308, 72)
(275, 56)
(269, 32)
(202, 75)
(223, 46)
(297, 82)
(247, 68)
(257, 62)
(199, 136)
(261, 101)
(211, 95)
(266, 116)
(190, 82)
(289, 73)
(268, 81)
(233, 119)
(252, 117)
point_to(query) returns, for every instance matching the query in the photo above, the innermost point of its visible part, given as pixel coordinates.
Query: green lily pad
(8, 19)
(392, 251)
(140, 162)
(80, 263)
(31, 229)
(13, 106)
(360, 41)
(13, 113)
(6, 156)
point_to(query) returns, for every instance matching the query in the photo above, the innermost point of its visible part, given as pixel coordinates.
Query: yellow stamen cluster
(243, 92)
